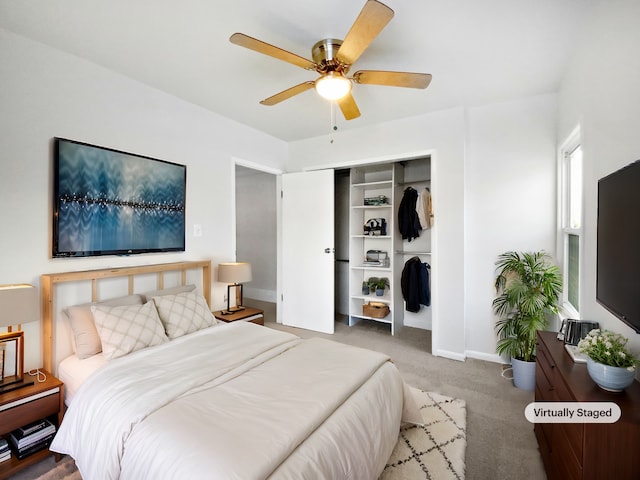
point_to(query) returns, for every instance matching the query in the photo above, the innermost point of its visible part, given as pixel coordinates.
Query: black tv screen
(108, 202)
(618, 250)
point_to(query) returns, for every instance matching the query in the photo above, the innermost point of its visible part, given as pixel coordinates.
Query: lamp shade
(235, 272)
(18, 304)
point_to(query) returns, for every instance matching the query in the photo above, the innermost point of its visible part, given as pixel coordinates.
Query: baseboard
(487, 357)
(451, 355)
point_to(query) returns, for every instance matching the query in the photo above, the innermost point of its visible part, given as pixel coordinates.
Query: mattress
(240, 401)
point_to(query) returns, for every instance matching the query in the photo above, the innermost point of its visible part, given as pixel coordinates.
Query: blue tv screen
(108, 202)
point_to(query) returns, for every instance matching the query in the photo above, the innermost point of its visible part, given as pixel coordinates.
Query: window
(571, 220)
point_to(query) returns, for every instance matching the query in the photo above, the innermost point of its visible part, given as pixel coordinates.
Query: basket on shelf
(375, 309)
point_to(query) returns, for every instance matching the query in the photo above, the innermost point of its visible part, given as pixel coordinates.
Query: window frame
(565, 230)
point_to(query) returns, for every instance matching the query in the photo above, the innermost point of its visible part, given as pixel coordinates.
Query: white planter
(524, 374)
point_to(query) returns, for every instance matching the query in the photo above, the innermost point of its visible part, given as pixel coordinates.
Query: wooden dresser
(584, 450)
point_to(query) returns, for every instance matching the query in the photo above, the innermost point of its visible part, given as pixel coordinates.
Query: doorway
(256, 234)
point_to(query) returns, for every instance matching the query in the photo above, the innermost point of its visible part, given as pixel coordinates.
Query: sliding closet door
(308, 250)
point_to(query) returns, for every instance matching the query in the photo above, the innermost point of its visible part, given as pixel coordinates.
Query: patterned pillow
(125, 329)
(184, 313)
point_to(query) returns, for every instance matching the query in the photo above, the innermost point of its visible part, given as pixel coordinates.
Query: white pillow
(184, 313)
(125, 329)
(85, 336)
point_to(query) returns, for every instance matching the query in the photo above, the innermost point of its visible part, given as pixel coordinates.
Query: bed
(204, 400)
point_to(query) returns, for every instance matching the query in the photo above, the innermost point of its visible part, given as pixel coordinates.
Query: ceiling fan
(333, 58)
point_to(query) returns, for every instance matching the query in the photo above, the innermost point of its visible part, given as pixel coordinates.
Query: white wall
(493, 188)
(601, 93)
(46, 93)
(510, 198)
(442, 135)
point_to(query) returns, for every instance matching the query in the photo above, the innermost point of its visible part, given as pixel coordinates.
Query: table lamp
(234, 274)
(18, 305)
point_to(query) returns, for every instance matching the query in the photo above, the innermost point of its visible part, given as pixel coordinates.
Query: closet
(376, 247)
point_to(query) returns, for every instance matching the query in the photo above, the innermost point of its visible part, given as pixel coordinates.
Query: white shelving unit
(370, 182)
(389, 180)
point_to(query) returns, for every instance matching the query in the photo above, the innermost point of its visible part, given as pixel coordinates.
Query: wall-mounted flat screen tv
(618, 250)
(108, 202)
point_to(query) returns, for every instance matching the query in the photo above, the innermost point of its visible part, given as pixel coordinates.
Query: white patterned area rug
(435, 451)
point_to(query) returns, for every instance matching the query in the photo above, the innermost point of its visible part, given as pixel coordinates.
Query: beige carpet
(434, 451)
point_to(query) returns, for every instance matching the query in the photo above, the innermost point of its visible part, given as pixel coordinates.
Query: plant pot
(365, 290)
(524, 374)
(612, 379)
(379, 292)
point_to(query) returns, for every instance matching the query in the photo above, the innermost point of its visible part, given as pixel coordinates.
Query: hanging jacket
(414, 284)
(408, 221)
(425, 209)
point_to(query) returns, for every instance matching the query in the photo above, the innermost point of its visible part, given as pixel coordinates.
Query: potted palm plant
(528, 286)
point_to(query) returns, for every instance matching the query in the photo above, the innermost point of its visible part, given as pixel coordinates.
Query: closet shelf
(413, 182)
(386, 319)
(371, 207)
(377, 237)
(382, 183)
(371, 267)
(402, 252)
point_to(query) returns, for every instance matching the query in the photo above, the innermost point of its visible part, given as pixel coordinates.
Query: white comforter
(237, 401)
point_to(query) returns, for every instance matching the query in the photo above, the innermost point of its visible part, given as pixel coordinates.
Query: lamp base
(232, 310)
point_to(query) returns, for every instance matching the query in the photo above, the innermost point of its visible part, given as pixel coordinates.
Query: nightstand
(25, 405)
(253, 315)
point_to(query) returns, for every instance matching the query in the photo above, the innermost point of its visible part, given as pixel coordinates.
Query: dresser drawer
(544, 359)
(565, 457)
(30, 409)
(544, 385)
(574, 432)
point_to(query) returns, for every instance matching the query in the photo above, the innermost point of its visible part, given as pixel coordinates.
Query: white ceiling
(478, 51)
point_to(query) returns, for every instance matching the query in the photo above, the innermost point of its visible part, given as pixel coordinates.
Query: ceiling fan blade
(288, 93)
(348, 106)
(372, 19)
(392, 79)
(267, 49)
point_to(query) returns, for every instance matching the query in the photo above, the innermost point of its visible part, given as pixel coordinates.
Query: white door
(308, 250)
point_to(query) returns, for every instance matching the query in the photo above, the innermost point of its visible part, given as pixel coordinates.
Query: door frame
(396, 157)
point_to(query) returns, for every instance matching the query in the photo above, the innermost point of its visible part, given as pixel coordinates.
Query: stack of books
(32, 438)
(5, 452)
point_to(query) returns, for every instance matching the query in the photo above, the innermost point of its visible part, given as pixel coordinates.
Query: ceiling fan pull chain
(333, 116)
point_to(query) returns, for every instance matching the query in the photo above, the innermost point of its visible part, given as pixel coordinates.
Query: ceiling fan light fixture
(333, 86)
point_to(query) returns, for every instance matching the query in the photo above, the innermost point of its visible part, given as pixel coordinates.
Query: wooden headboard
(50, 280)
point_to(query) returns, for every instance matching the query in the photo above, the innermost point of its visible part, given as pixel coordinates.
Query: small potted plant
(381, 284)
(365, 288)
(610, 365)
(372, 282)
(528, 287)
